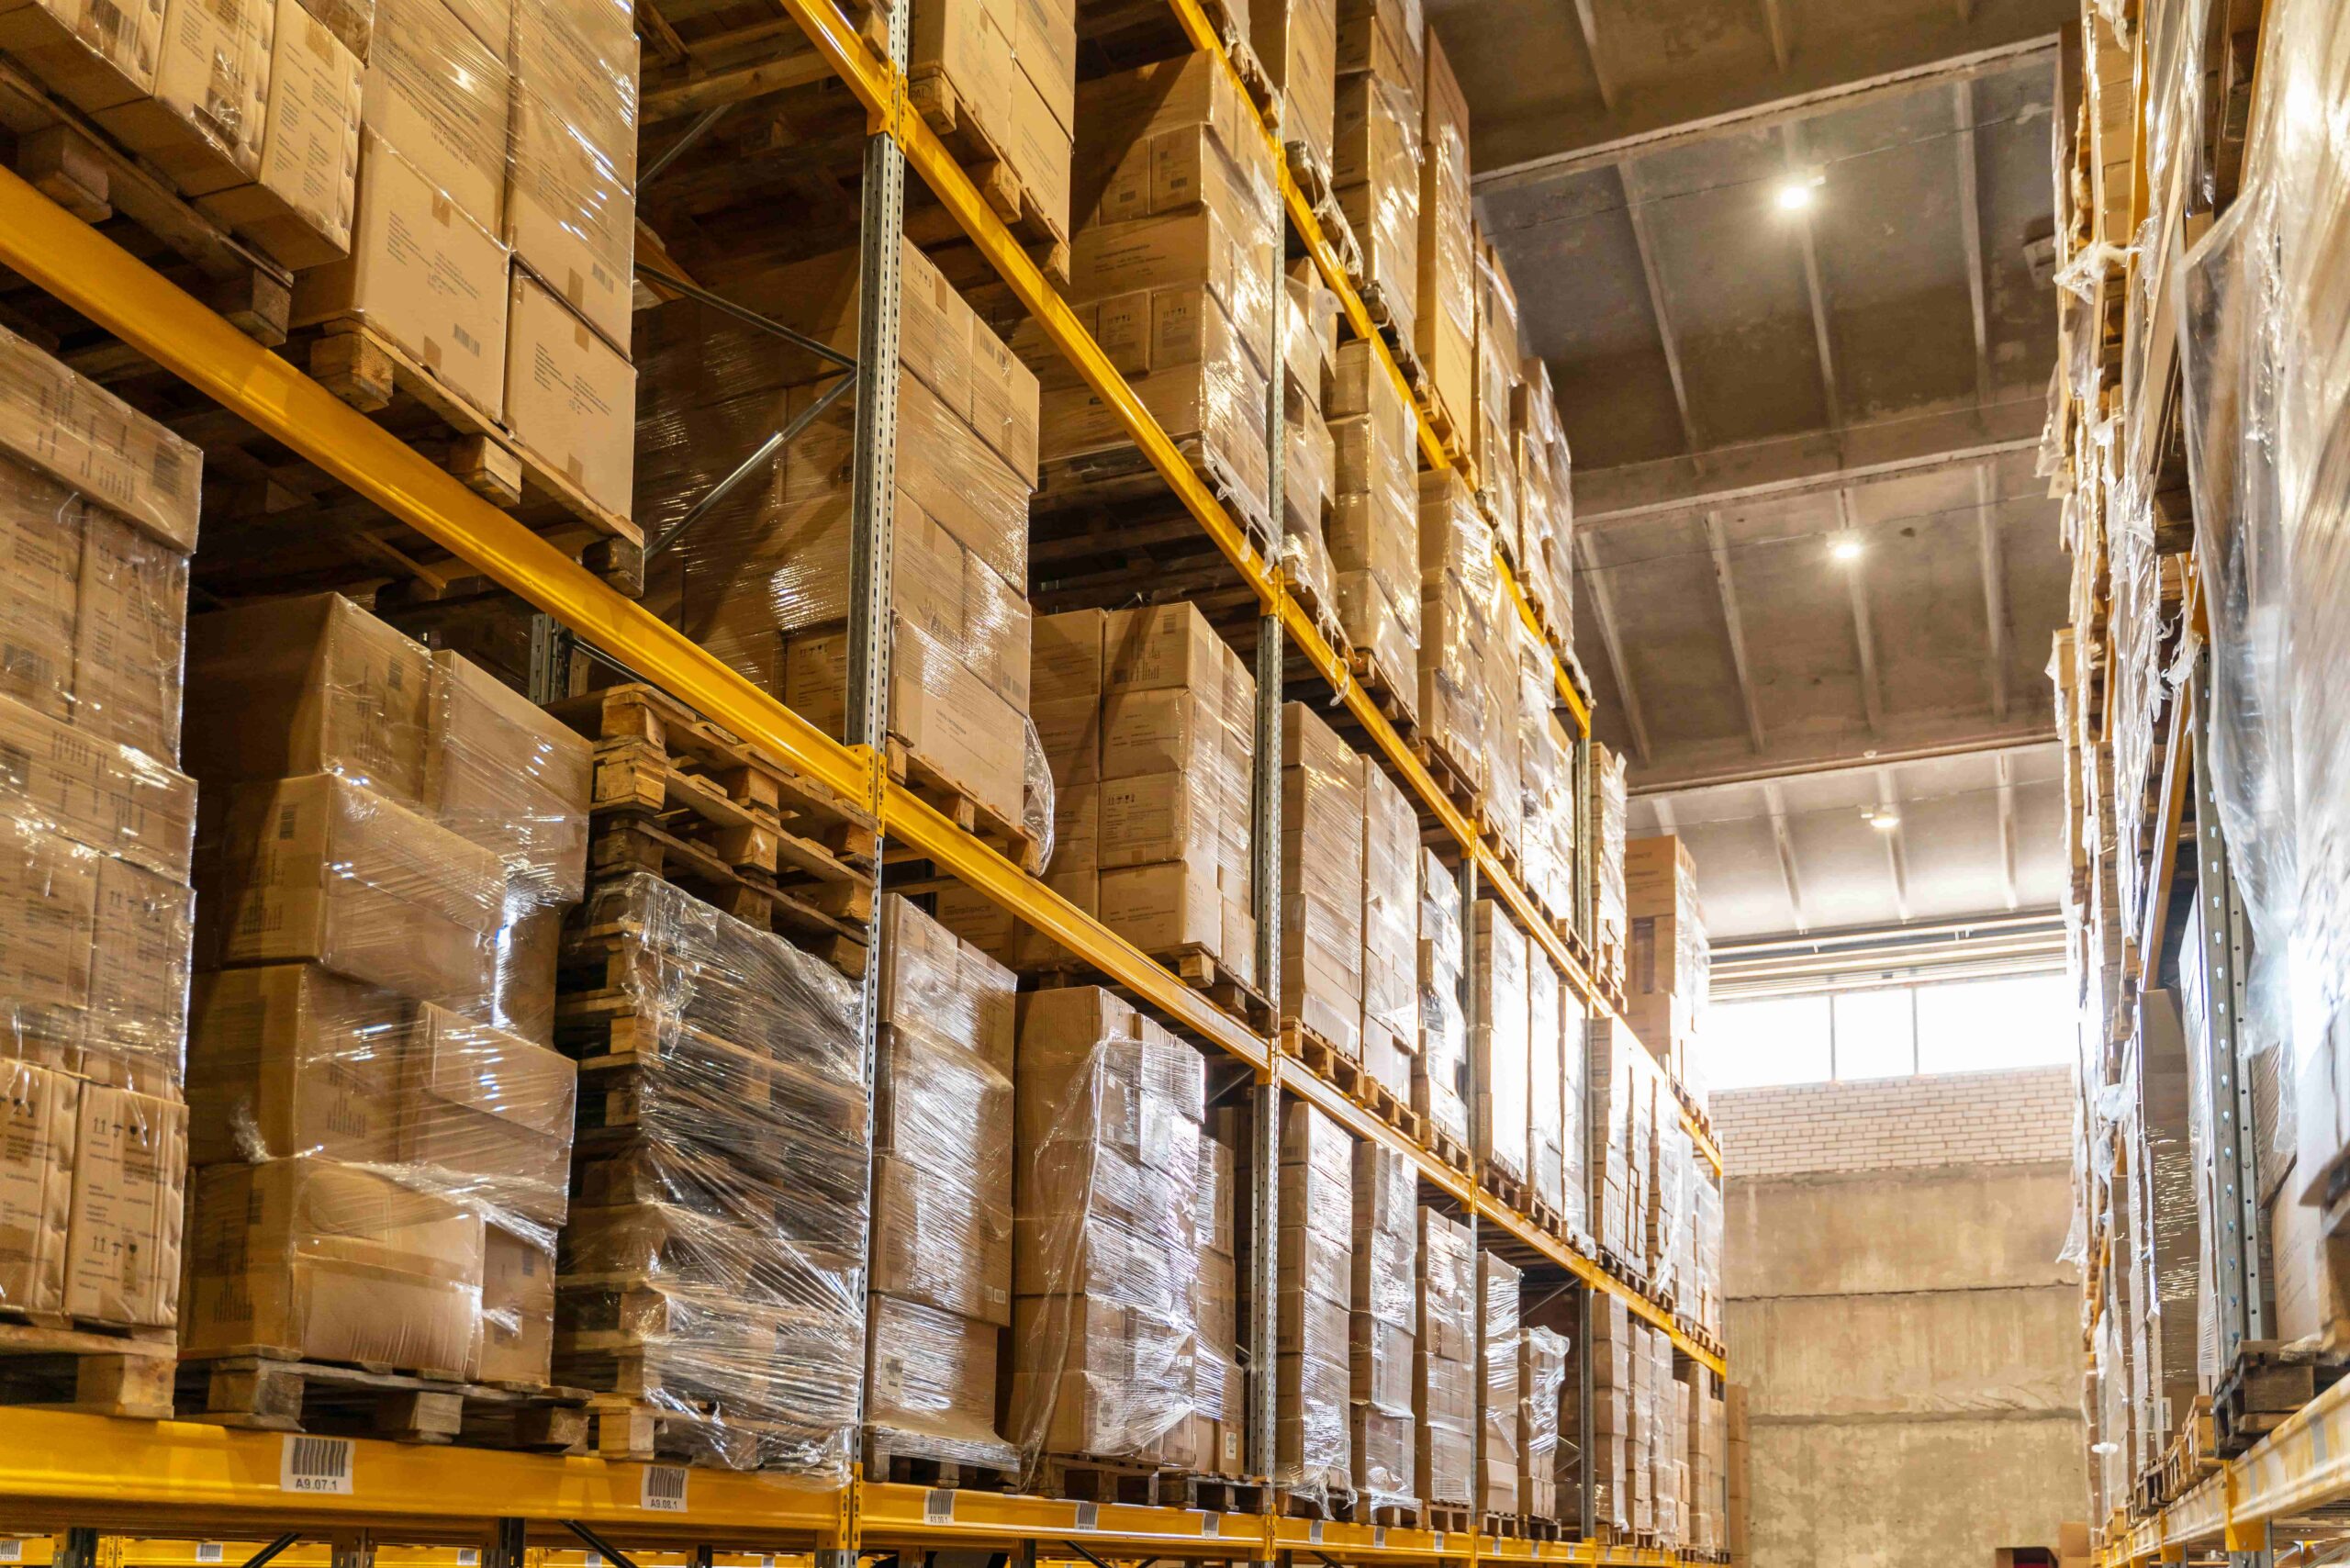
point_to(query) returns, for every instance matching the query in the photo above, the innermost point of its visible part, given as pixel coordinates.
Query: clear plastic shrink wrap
(2267, 383)
(1497, 1405)
(1384, 1343)
(1375, 527)
(714, 1261)
(1669, 1207)
(1445, 1375)
(1505, 801)
(1498, 350)
(1544, 1117)
(1391, 910)
(1322, 880)
(1298, 41)
(1575, 1138)
(1314, 1302)
(1457, 600)
(571, 167)
(1542, 1382)
(1610, 804)
(1440, 1071)
(1309, 455)
(1497, 970)
(1445, 323)
(941, 1282)
(1105, 1260)
(1375, 165)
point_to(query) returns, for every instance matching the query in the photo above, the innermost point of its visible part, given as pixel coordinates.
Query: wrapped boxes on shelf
(1545, 1083)
(1309, 451)
(1669, 1445)
(1314, 1307)
(1622, 1099)
(1457, 600)
(1444, 322)
(710, 1286)
(1604, 1446)
(1504, 797)
(1545, 496)
(1542, 1386)
(1322, 865)
(1376, 159)
(1298, 42)
(1105, 1260)
(1440, 1071)
(1497, 1038)
(1217, 1442)
(1385, 1345)
(389, 840)
(1445, 1370)
(1497, 1400)
(1005, 78)
(1609, 803)
(1374, 525)
(1546, 780)
(1667, 1230)
(1498, 353)
(1390, 918)
(941, 1282)
(1668, 966)
(1172, 268)
(763, 580)
(98, 509)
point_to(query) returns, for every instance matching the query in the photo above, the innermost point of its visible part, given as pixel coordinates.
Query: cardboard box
(421, 273)
(202, 124)
(1298, 41)
(39, 1120)
(1225, 252)
(91, 53)
(932, 1376)
(1444, 328)
(298, 207)
(571, 171)
(940, 709)
(570, 395)
(143, 938)
(48, 922)
(41, 528)
(1162, 907)
(436, 92)
(318, 868)
(515, 1342)
(291, 1059)
(58, 423)
(311, 684)
(503, 773)
(1384, 38)
(130, 607)
(489, 1111)
(319, 1260)
(129, 1188)
(97, 794)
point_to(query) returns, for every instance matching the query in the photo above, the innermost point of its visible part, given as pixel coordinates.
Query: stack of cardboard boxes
(1545, 1081)
(1313, 1451)
(1386, 1264)
(1705, 1283)
(492, 236)
(1497, 1039)
(1445, 1372)
(1665, 983)
(1150, 732)
(1545, 496)
(1322, 881)
(1546, 780)
(1668, 1232)
(1219, 1423)
(1602, 1448)
(764, 580)
(1391, 925)
(1609, 803)
(99, 510)
(1668, 1443)
(1622, 1136)
(1375, 164)
(711, 1277)
(1108, 1108)
(1298, 41)
(1009, 82)
(1504, 797)
(1309, 451)
(1497, 1402)
(1375, 527)
(1542, 1385)
(388, 840)
(1173, 269)
(1440, 1071)
(941, 1287)
(1498, 353)
(1444, 320)
(1458, 599)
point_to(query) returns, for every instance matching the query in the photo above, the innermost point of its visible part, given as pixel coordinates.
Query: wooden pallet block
(1449, 1517)
(1398, 700)
(1087, 1478)
(642, 1432)
(1392, 1513)
(623, 847)
(257, 1389)
(923, 778)
(1195, 966)
(1460, 785)
(1222, 1494)
(915, 1459)
(932, 92)
(1314, 1503)
(52, 1360)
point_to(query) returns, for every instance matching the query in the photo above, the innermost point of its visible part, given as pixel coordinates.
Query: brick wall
(1960, 1118)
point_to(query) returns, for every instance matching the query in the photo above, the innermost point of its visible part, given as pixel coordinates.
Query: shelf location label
(320, 1466)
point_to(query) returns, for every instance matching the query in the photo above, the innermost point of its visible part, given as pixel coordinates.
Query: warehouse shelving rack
(172, 1480)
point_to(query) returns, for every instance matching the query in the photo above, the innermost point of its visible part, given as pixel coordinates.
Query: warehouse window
(1891, 1032)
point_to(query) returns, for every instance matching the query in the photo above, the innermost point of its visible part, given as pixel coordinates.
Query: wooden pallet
(1448, 1517)
(1398, 700)
(1393, 1513)
(1312, 177)
(643, 1431)
(2193, 1454)
(1450, 1150)
(1458, 783)
(1084, 1478)
(100, 1368)
(1193, 965)
(1221, 1494)
(1116, 479)
(623, 847)
(1329, 1503)
(911, 1459)
(1325, 1060)
(257, 1389)
(1532, 1527)
(2262, 1389)
(932, 92)
(1007, 836)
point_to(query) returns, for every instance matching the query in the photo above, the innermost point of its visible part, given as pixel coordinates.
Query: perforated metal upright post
(1265, 899)
(874, 467)
(2234, 1129)
(1479, 1133)
(1586, 1471)
(1586, 855)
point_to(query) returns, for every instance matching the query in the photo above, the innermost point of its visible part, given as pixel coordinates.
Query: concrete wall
(1909, 1343)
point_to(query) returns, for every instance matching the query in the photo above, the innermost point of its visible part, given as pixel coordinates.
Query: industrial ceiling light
(1846, 548)
(1800, 191)
(1885, 822)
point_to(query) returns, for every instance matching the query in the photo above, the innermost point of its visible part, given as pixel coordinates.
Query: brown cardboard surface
(105, 796)
(571, 168)
(202, 123)
(129, 1179)
(41, 525)
(1159, 908)
(435, 91)
(298, 207)
(129, 636)
(570, 395)
(48, 37)
(288, 1058)
(64, 425)
(40, 1119)
(488, 1110)
(516, 1338)
(142, 945)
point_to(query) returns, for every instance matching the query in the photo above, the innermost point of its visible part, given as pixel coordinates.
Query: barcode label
(591, 1560)
(938, 1505)
(1210, 1524)
(209, 1551)
(664, 1488)
(465, 339)
(315, 1464)
(767, 1561)
(1313, 1531)
(12, 1551)
(1379, 1535)
(1440, 1540)
(1088, 1515)
(468, 1557)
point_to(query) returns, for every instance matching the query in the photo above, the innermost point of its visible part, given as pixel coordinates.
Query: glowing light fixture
(1885, 822)
(1847, 547)
(1800, 192)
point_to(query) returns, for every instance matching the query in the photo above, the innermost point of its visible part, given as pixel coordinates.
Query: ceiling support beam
(1897, 853)
(1822, 333)
(1970, 226)
(1764, 115)
(1588, 24)
(1717, 541)
(1775, 798)
(1603, 609)
(2005, 775)
(1864, 635)
(1995, 586)
(1635, 211)
(1776, 25)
